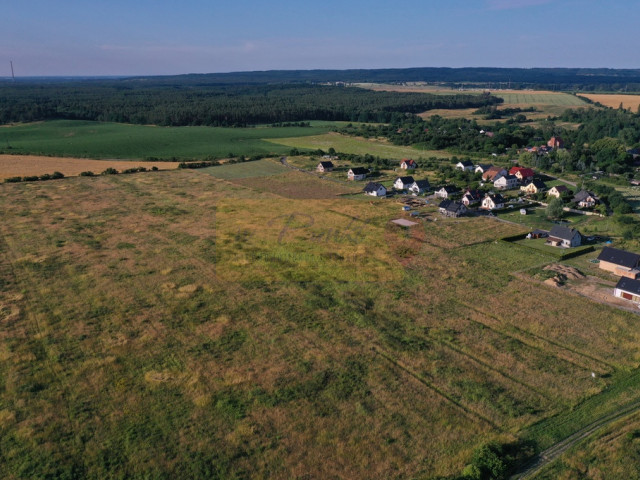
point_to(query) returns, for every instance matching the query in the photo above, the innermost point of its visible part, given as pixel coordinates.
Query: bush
(30, 178)
(57, 175)
(87, 174)
(46, 176)
(13, 180)
(110, 171)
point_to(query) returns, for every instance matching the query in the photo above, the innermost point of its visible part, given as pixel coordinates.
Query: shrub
(13, 180)
(87, 174)
(110, 171)
(31, 178)
(57, 175)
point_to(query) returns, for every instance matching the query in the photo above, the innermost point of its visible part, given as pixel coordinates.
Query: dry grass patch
(629, 102)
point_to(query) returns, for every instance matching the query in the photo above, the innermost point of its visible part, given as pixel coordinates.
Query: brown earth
(31, 165)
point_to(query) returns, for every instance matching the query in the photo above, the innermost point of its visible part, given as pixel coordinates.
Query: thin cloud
(513, 4)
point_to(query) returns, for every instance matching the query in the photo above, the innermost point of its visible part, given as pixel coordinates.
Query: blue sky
(145, 37)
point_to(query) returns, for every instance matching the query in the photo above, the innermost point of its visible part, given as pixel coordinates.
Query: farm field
(249, 324)
(357, 146)
(69, 138)
(27, 165)
(629, 102)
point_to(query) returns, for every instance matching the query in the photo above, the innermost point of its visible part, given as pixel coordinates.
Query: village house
(408, 164)
(482, 167)
(325, 167)
(375, 189)
(533, 186)
(447, 191)
(492, 202)
(449, 208)
(465, 166)
(403, 183)
(555, 143)
(506, 182)
(628, 288)
(564, 237)
(585, 199)
(619, 262)
(493, 173)
(471, 197)
(523, 174)
(357, 173)
(419, 186)
(557, 191)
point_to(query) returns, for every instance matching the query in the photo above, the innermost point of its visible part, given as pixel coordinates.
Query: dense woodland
(229, 105)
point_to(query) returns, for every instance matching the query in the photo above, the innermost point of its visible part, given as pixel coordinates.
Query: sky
(166, 37)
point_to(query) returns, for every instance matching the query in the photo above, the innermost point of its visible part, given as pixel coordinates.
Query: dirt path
(553, 452)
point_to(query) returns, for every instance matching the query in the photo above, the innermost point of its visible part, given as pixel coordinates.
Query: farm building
(449, 208)
(585, 199)
(619, 262)
(521, 173)
(506, 182)
(419, 186)
(408, 164)
(493, 202)
(465, 166)
(564, 237)
(447, 191)
(325, 167)
(357, 173)
(537, 233)
(375, 189)
(557, 191)
(403, 183)
(533, 186)
(482, 167)
(471, 197)
(629, 289)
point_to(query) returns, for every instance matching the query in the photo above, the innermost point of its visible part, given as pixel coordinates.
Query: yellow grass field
(630, 102)
(27, 165)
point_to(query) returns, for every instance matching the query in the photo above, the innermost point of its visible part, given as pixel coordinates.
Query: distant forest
(180, 104)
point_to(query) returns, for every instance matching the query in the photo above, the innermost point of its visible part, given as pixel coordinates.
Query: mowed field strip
(630, 102)
(29, 165)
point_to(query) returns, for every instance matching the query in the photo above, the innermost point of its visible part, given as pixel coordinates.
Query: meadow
(83, 139)
(219, 323)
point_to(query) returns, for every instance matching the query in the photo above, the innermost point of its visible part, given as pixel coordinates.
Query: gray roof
(450, 188)
(565, 233)
(629, 285)
(538, 183)
(373, 187)
(360, 170)
(326, 164)
(619, 257)
(582, 195)
(424, 184)
(405, 180)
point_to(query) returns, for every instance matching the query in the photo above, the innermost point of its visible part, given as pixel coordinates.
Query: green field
(112, 140)
(357, 146)
(225, 325)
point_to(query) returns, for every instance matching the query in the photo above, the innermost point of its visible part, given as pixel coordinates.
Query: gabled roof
(565, 233)
(445, 203)
(484, 166)
(360, 170)
(538, 231)
(560, 188)
(454, 207)
(474, 194)
(539, 184)
(508, 178)
(423, 184)
(326, 164)
(373, 187)
(408, 161)
(405, 180)
(525, 172)
(583, 195)
(496, 199)
(619, 257)
(629, 285)
(450, 189)
(465, 163)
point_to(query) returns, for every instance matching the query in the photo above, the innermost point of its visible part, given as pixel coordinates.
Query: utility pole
(13, 77)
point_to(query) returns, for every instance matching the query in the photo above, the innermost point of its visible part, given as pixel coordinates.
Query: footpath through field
(554, 451)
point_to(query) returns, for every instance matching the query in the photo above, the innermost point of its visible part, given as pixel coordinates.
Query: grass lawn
(258, 168)
(112, 140)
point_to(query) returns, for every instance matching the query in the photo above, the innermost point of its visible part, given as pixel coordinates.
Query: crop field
(29, 165)
(190, 325)
(358, 146)
(259, 168)
(67, 138)
(629, 102)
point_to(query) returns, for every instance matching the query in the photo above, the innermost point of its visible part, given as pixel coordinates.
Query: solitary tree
(554, 208)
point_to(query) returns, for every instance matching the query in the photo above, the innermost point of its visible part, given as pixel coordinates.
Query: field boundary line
(398, 364)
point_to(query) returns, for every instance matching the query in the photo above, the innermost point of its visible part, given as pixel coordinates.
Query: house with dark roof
(555, 142)
(482, 167)
(408, 164)
(419, 186)
(557, 191)
(447, 191)
(325, 167)
(450, 208)
(564, 237)
(538, 233)
(492, 202)
(471, 197)
(533, 186)
(357, 173)
(403, 183)
(375, 189)
(506, 182)
(628, 288)
(465, 165)
(493, 173)
(619, 262)
(585, 199)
